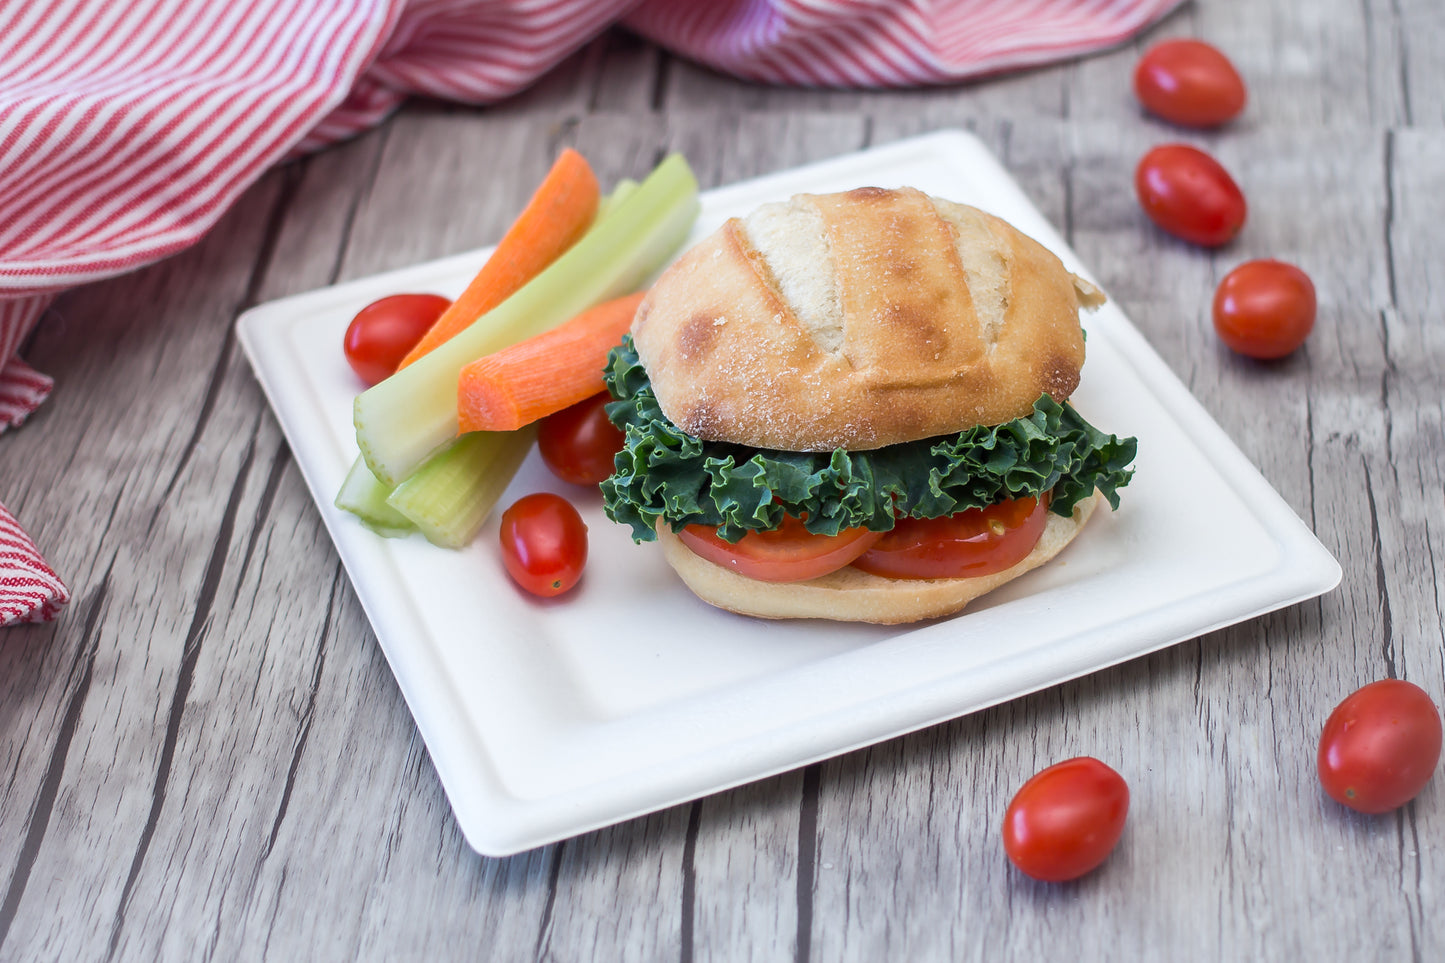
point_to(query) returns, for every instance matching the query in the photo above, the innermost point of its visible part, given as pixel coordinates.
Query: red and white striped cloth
(29, 590)
(127, 129)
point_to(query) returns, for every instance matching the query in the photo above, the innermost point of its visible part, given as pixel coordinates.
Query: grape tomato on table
(1190, 83)
(1380, 746)
(1190, 194)
(1264, 309)
(1066, 820)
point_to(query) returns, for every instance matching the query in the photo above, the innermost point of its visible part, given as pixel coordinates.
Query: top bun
(860, 320)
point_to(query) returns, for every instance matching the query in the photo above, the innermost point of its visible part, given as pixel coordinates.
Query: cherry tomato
(1264, 309)
(384, 331)
(579, 443)
(980, 541)
(1380, 746)
(1066, 820)
(544, 544)
(1187, 193)
(1189, 83)
(788, 553)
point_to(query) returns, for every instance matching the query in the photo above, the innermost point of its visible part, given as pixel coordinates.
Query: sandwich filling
(665, 475)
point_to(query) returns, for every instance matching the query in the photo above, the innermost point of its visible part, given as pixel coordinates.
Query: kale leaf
(665, 473)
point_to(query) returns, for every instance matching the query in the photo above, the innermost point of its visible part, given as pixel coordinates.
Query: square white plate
(549, 718)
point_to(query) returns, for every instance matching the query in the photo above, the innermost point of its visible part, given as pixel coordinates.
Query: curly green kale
(665, 473)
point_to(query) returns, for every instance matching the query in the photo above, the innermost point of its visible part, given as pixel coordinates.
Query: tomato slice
(788, 553)
(980, 541)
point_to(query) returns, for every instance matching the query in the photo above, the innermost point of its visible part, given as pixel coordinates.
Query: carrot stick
(534, 378)
(560, 211)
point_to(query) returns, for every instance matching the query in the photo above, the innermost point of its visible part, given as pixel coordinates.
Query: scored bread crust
(852, 595)
(860, 320)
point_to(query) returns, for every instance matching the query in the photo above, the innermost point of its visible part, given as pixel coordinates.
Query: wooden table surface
(207, 756)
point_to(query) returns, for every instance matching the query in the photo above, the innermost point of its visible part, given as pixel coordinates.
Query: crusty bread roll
(852, 595)
(860, 320)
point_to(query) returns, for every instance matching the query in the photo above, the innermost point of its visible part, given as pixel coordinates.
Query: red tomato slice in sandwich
(788, 553)
(980, 541)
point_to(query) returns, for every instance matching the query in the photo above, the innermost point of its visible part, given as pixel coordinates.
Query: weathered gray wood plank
(1419, 29)
(1411, 548)
(753, 871)
(207, 755)
(142, 516)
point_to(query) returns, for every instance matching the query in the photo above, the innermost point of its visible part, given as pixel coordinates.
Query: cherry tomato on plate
(544, 544)
(1380, 746)
(1066, 820)
(1264, 309)
(579, 443)
(1187, 193)
(788, 553)
(384, 331)
(1189, 82)
(980, 541)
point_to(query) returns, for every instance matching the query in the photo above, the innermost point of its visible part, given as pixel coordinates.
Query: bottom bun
(852, 595)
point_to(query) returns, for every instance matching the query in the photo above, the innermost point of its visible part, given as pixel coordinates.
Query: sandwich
(855, 406)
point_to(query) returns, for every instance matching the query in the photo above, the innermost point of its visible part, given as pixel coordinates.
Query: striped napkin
(126, 130)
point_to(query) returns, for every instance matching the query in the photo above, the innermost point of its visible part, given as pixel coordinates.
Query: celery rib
(452, 493)
(409, 416)
(609, 202)
(365, 497)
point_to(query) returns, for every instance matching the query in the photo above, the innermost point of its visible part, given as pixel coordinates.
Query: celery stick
(405, 418)
(365, 497)
(452, 493)
(609, 203)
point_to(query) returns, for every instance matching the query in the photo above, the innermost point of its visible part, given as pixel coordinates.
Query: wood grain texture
(207, 757)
